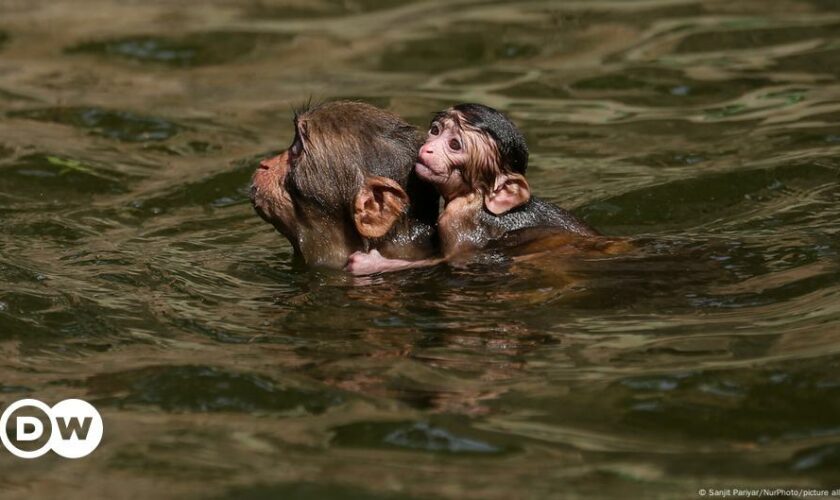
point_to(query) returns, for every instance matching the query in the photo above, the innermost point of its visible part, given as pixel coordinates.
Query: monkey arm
(361, 263)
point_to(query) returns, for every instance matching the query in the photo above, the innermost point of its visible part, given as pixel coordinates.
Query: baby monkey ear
(510, 191)
(378, 205)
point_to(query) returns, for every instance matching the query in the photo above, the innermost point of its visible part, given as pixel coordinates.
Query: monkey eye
(455, 144)
(435, 130)
(296, 148)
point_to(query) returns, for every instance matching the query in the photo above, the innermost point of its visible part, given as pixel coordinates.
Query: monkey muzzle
(429, 172)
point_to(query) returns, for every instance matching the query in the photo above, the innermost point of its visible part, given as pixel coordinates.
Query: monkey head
(472, 147)
(346, 184)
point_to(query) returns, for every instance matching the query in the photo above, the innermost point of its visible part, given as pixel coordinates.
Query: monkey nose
(268, 163)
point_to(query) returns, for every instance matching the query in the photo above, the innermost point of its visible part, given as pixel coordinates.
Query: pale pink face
(441, 157)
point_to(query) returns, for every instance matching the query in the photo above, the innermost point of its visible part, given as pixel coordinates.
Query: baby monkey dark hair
(513, 152)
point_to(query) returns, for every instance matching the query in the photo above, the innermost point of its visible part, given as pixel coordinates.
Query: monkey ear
(378, 205)
(510, 191)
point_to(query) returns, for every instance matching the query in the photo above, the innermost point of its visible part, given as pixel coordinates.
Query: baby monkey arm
(361, 263)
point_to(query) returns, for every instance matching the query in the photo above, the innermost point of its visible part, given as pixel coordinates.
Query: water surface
(135, 275)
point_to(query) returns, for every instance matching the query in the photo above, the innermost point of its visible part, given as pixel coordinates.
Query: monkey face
(343, 186)
(306, 192)
(458, 157)
(271, 200)
(442, 156)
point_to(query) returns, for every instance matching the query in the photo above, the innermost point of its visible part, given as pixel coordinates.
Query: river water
(135, 275)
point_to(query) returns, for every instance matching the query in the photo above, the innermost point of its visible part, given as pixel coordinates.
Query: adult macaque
(346, 184)
(476, 158)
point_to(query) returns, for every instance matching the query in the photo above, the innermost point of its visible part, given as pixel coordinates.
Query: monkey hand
(361, 263)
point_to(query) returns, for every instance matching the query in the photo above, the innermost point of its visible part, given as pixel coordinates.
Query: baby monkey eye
(434, 130)
(455, 144)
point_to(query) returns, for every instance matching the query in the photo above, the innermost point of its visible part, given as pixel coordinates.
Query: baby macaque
(476, 158)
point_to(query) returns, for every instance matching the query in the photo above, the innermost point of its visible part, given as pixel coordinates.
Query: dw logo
(75, 428)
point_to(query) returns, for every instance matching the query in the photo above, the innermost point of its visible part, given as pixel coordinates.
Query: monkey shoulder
(466, 226)
(459, 228)
(544, 227)
(537, 214)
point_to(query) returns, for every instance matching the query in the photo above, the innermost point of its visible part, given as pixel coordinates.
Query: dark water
(134, 274)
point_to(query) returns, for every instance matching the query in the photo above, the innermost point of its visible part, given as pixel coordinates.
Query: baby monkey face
(457, 156)
(443, 155)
